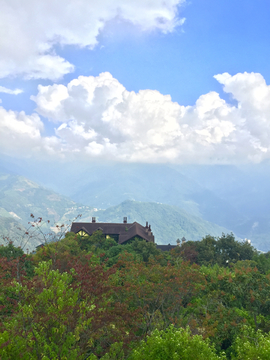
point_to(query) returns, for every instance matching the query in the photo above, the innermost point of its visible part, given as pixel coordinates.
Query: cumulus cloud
(100, 117)
(97, 118)
(253, 97)
(30, 29)
(19, 133)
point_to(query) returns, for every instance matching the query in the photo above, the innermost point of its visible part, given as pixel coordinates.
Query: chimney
(146, 224)
(93, 219)
(125, 220)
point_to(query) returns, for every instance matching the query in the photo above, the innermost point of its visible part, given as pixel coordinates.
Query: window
(82, 233)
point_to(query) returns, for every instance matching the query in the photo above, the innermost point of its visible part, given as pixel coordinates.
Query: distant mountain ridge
(234, 197)
(110, 185)
(168, 222)
(19, 197)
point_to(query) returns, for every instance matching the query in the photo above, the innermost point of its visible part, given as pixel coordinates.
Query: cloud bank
(97, 118)
(30, 29)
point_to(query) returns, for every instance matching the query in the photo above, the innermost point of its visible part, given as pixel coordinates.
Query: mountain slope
(20, 197)
(168, 222)
(153, 183)
(197, 189)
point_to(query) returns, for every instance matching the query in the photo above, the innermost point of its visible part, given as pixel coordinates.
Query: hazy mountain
(247, 188)
(168, 222)
(235, 197)
(11, 229)
(20, 197)
(104, 185)
(155, 183)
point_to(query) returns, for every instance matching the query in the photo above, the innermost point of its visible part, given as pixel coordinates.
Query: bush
(174, 344)
(252, 345)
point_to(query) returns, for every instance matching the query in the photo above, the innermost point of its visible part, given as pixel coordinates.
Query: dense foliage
(90, 298)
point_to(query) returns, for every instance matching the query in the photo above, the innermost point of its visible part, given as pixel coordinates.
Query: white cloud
(19, 133)
(9, 91)
(253, 97)
(97, 118)
(30, 29)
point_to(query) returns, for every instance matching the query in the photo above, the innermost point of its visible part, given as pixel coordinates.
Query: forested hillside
(90, 298)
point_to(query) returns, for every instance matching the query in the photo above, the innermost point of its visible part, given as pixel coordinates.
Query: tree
(59, 252)
(210, 250)
(232, 297)
(230, 250)
(186, 251)
(49, 320)
(174, 344)
(10, 251)
(251, 345)
(161, 293)
(144, 249)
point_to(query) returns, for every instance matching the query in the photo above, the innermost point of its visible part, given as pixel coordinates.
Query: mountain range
(21, 197)
(233, 198)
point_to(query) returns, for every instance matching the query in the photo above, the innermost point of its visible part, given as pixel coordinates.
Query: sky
(152, 81)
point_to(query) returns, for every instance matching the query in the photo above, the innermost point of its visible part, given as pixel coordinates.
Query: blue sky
(141, 48)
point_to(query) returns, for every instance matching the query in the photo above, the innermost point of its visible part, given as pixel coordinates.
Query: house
(168, 247)
(120, 232)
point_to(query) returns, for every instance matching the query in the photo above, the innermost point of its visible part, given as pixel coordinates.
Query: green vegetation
(48, 317)
(174, 344)
(252, 344)
(223, 250)
(90, 298)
